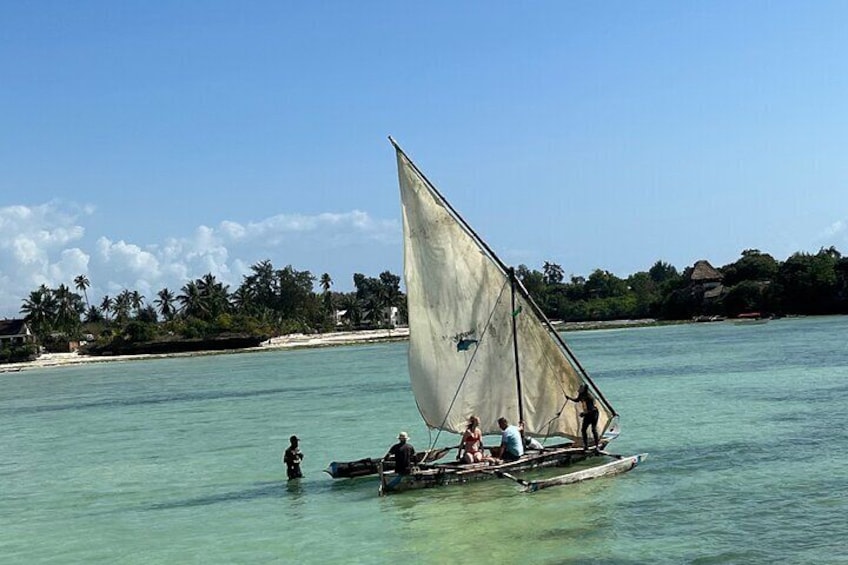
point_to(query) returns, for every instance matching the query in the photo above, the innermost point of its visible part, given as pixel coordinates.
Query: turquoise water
(178, 460)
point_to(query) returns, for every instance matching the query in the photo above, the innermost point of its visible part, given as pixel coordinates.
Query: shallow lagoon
(178, 460)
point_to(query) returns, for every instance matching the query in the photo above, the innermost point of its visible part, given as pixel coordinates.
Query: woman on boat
(589, 414)
(471, 448)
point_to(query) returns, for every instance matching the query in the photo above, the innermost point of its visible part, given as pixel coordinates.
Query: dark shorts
(509, 456)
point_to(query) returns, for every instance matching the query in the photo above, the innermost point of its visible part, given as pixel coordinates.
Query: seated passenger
(511, 447)
(471, 448)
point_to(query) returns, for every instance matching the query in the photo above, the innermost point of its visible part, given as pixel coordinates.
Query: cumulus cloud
(48, 248)
(35, 249)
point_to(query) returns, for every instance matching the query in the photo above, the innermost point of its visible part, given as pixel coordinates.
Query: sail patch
(465, 340)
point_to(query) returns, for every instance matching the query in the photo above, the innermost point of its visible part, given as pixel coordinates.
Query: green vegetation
(269, 302)
(803, 284)
(272, 302)
(18, 353)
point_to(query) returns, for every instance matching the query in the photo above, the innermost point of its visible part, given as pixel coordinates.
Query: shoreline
(291, 341)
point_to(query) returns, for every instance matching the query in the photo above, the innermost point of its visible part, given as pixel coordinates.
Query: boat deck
(440, 474)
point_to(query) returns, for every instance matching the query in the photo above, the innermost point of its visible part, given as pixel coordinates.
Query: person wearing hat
(292, 459)
(403, 453)
(589, 414)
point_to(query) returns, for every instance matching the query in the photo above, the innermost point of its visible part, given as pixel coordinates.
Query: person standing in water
(589, 414)
(292, 459)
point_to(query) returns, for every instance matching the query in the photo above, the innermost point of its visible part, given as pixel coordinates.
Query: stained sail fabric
(461, 359)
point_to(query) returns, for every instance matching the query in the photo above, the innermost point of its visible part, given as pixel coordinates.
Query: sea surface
(178, 460)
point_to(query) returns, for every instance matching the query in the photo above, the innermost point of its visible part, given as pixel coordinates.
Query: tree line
(268, 302)
(804, 283)
(271, 301)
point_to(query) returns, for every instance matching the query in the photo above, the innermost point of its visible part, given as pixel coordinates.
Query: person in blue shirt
(511, 447)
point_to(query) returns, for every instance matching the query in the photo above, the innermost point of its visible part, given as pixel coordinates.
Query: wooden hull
(436, 475)
(371, 465)
(353, 469)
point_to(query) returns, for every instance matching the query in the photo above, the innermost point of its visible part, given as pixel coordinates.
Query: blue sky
(147, 143)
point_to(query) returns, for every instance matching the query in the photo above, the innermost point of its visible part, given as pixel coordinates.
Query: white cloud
(34, 250)
(834, 229)
(48, 247)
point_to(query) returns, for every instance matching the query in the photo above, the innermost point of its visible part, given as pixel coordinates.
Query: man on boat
(511, 447)
(403, 453)
(292, 459)
(589, 414)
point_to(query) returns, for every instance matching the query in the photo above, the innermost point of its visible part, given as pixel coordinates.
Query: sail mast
(515, 347)
(573, 358)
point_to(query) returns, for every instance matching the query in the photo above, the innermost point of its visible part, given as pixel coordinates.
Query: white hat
(403, 435)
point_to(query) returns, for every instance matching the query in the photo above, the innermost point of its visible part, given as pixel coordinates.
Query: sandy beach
(283, 342)
(286, 342)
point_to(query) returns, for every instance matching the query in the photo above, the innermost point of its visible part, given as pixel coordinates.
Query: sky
(145, 144)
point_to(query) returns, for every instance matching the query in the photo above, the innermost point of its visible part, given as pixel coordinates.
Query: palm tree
(262, 281)
(106, 305)
(137, 301)
(40, 310)
(190, 300)
(93, 314)
(326, 282)
(69, 307)
(121, 306)
(243, 300)
(165, 303)
(353, 309)
(82, 283)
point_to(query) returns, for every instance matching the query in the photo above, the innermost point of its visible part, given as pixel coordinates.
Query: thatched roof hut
(703, 272)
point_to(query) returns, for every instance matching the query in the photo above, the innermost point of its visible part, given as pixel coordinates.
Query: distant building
(15, 332)
(389, 316)
(706, 280)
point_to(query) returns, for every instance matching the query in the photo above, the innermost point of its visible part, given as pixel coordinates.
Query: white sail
(461, 354)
